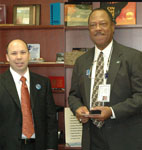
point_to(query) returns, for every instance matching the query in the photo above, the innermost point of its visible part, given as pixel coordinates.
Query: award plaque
(26, 14)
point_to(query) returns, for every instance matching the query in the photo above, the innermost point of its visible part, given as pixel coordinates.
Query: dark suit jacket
(43, 108)
(125, 77)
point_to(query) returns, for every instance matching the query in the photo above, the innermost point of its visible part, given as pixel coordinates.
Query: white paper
(73, 129)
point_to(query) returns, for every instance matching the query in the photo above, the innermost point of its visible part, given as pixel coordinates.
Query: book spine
(51, 14)
(56, 14)
(37, 18)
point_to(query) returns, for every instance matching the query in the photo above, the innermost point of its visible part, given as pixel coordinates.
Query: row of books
(124, 13)
(69, 14)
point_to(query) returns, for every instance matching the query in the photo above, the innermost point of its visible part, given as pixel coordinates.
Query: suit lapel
(35, 86)
(113, 68)
(88, 66)
(32, 90)
(114, 64)
(9, 84)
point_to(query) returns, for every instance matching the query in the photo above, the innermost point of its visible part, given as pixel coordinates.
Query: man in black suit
(121, 115)
(43, 111)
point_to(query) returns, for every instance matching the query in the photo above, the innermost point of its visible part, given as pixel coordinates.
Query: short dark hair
(109, 14)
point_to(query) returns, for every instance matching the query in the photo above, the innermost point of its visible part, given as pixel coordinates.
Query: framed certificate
(26, 14)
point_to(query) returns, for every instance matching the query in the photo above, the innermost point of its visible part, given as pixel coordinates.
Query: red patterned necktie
(99, 78)
(28, 126)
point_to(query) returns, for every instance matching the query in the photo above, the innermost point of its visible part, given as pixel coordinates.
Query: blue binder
(57, 13)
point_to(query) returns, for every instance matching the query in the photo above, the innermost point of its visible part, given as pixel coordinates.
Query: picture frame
(123, 13)
(34, 50)
(77, 14)
(2, 14)
(26, 14)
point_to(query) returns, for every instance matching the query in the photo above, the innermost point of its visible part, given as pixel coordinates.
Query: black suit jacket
(43, 109)
(125, 77)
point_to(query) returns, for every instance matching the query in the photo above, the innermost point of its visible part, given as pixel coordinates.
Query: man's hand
(105, 113)
(80, 114)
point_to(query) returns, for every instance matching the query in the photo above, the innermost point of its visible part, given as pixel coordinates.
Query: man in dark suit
(43, 111)
(122, 114)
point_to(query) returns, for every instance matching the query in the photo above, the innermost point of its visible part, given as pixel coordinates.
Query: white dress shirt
(107, 56)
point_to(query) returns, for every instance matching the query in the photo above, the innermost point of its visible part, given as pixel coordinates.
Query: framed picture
(123, 13)
(2, 14)
(26, 14)
(34, 50)
(77, 14)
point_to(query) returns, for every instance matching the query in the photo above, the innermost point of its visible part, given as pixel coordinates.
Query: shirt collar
(106, 51)
(17, 76)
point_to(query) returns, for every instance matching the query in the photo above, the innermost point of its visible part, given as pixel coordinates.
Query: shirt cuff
(113, 114)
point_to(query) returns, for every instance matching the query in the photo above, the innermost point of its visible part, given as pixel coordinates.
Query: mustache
(99, 33)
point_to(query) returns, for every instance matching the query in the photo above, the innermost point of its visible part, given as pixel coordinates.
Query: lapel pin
(38, 86)
(88, 72)
(118, 62)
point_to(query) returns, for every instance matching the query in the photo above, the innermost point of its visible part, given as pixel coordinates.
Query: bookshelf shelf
(117, 27)
(30, 27)
(76, 27)
(46, 64)
(4, 65)
(128, 26)
(68, 66)
(39, 27)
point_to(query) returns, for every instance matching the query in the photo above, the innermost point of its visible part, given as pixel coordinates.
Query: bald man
(42, 107)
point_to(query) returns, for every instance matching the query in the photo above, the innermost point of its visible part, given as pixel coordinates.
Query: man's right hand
(80, 114)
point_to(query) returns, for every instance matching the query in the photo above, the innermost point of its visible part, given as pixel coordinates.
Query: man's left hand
(105, 113)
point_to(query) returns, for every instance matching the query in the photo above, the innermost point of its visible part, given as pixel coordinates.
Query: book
(57, 13)
(73, 129)
(123, 13)
(60, 57)
(2, 14)
(57, 82)
(34, 50)
(77, 14)
(26, 14)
